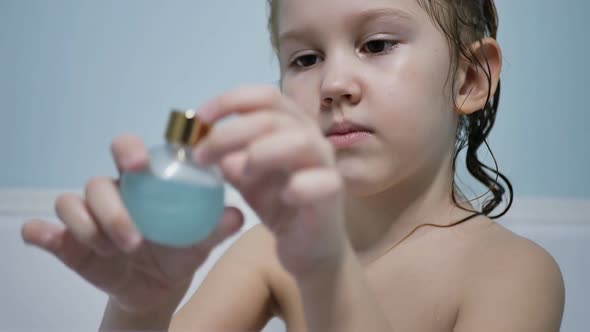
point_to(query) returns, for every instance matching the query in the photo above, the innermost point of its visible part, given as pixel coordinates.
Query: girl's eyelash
(294, 62)
(393, 43)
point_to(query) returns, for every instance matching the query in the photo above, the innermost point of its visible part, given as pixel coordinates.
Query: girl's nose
(340, 86)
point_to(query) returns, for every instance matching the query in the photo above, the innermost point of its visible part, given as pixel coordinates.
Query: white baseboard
(528, 210)
(29, 202)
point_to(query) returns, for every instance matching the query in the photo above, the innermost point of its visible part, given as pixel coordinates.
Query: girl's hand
(99, 241)
(276, 155)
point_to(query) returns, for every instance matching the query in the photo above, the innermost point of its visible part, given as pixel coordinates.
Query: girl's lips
(348, 139)
(345, 127)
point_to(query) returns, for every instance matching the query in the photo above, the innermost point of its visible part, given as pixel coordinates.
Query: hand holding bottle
(99, 241)
(277, 156)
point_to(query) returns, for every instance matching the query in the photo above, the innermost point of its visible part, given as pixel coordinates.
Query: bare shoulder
(501, 250)
(511, 284)
(247, 283)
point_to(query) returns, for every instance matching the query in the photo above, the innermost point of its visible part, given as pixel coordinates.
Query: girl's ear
(473, 84)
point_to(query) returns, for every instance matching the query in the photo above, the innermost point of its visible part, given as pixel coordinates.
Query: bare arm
(115, 319)
(235, 295)
(519, 289)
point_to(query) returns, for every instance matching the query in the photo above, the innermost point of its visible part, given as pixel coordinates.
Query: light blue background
(76, 73)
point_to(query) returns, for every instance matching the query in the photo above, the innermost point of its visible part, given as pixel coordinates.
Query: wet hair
(463, 23)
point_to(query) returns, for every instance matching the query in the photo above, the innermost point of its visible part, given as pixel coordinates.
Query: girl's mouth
(345, 134)
(348, 139)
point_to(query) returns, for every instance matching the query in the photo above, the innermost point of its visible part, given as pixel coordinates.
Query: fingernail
(132, 160)
(131, 241)
(47, 239)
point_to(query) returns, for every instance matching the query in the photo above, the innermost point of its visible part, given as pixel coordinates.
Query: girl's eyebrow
(355, 19)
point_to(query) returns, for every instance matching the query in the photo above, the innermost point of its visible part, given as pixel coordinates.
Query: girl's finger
(129, 153)
(313, 186)
(286, 152)
(237, 134)
(106, 206)
(42, 234)
(241, 100)
(59, 241)
(73, 212)
(232, 167)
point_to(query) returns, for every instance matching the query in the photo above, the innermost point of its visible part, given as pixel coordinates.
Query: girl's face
(382, 64)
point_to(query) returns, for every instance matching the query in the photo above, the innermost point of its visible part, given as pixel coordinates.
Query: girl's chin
(362, 185)
(362, 177)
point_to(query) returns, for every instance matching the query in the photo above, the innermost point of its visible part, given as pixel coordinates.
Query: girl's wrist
(117, 318)
(150, 316)
(319, 269)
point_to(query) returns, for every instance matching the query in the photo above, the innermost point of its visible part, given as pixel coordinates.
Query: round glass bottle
(174, 202)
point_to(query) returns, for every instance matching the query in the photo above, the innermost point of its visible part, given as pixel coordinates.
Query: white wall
(39, 294)
(76, 73)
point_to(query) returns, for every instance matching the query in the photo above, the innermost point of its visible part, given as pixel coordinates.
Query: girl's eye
(379, 46)
(374, 46)
(305, 61)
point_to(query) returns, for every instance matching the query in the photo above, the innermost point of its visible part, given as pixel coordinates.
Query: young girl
(343, 165)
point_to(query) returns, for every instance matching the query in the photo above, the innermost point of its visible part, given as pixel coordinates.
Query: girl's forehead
(305, 12)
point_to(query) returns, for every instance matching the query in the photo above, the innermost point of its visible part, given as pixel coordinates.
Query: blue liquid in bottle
(174, 202)
(170, 212)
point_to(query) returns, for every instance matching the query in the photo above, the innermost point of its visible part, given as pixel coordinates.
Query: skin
(328, 215)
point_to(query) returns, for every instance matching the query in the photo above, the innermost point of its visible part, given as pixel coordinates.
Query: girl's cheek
(302, 96)
(288, 88)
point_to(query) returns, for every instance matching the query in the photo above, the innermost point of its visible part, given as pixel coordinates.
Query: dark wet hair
(463, 22)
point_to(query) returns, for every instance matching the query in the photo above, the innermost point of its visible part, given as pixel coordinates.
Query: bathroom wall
(76, 73)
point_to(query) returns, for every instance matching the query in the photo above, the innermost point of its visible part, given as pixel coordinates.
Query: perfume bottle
(174, 202)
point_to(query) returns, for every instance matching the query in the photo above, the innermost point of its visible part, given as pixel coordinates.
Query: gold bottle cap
(185, 128)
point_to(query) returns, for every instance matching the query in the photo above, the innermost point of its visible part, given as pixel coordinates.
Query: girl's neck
(375, 223)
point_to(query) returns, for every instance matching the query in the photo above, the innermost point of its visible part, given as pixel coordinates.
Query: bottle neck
(180, 152)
